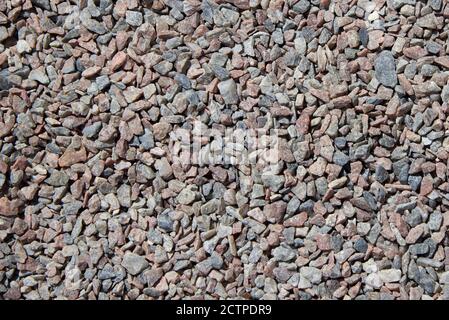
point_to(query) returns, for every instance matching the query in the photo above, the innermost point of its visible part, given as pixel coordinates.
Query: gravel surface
(128, 171)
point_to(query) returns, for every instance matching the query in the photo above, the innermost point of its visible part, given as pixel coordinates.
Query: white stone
(370, 266)
(23, 46)
(390, 275)
(374, 280)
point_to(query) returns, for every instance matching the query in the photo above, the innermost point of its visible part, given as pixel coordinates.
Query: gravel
(224, 150)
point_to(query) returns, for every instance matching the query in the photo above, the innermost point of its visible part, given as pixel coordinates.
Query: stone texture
(230, 150)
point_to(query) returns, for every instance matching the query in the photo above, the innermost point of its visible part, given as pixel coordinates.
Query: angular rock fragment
(385, 69)
(134, 263)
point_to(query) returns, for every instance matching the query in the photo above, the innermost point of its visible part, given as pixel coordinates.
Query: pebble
(39, 75)
(390, 275)
(23, 46)
(134, 18)
(373, 280)
(385, 69)
(186, 196)
(283, 253)
(228, 89)
(133, 263)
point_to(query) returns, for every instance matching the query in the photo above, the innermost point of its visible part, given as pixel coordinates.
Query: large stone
(8, 208)
(390, 275)
(385, 69)
(134, 263)
(228, 89)
(186, 196)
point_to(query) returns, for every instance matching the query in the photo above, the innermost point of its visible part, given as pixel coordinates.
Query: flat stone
(390, 275)
(228, 89)
(72, 156)
(312, 274)
(338, 183)
(283, 253)
(39, 75)
(385, 69)
(186, 196)
(318, 167)
(118, 60)
(161, 130)
(374, 280)
(57, 179)
(8, 208)
(275, 211)
(134, 18)
(23, 46)
(133, 263)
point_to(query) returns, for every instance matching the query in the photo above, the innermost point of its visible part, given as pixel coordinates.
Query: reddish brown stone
(297, 220)
(414, 234)
(426, 185)
(8, 208)
(118, 60)
(443, 61)
(415, 52)
(72, 156)
(303, 123)
(342, 102)
(323, 242)
(320, 94)
(275, 211)
(12, 294)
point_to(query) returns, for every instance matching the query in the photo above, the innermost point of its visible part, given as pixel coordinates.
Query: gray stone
(4, 81)
(283, 253)
(435, 220)
(302, 6)
(94, 26)
(373, 280)
(102, 82)
(385, 69)
(360, 245)
(444, 277)
(390, 275)
(57, 179)
(134, 263)
(44, 4)
(165, 222)
(163, 67)
(92, 130)
(220, 72)
(426, 282)
(124, 195)
(340, 158)
(23, 46)
(312, 274)
(71, 208)
(186, 196)
(134, 18)
(274, 182)
(381, 174)
(147, 140)
(419, 249)
(396, 4)
(228, 89)
(39, 75)
(293, 206)
(414, 217)
(183, 81)
(405, 206)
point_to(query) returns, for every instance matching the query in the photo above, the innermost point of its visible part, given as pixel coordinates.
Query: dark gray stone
(385, 69)
(360, 245)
